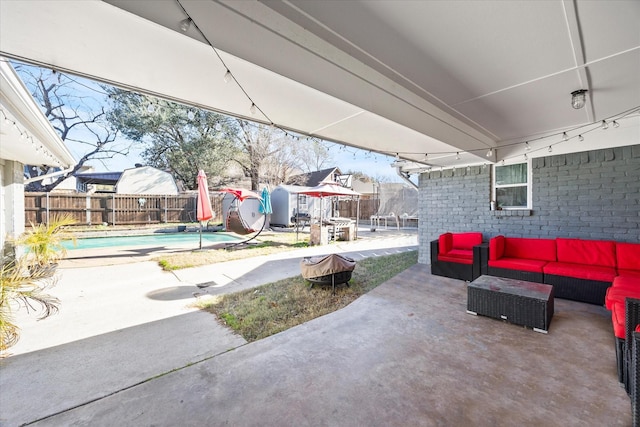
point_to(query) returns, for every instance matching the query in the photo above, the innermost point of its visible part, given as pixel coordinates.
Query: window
(511, 186)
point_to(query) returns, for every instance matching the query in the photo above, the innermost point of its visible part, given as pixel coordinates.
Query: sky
(347, 159)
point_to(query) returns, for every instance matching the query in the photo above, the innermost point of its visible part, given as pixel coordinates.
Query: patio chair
(457, 255)
(329, 269)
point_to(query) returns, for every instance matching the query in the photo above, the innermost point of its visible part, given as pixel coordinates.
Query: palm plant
(22, 287)
(44, 241)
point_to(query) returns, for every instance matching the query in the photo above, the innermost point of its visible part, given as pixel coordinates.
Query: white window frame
(527, 184)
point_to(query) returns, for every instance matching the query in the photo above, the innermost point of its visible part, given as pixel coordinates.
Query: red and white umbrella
(203, 209)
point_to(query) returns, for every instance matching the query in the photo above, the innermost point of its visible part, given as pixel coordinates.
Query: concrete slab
(407, 353)
(56, 379)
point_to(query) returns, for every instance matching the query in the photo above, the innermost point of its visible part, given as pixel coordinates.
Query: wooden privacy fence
(117, 209)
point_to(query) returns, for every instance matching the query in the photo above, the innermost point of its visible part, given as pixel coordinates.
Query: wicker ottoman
(516, 301)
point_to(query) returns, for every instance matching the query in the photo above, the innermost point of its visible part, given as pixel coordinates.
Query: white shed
(285, 201)
(146, 180)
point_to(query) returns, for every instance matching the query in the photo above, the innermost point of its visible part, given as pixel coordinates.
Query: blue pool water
(159, 239)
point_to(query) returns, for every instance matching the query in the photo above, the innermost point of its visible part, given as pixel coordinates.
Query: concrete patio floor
(407, 353)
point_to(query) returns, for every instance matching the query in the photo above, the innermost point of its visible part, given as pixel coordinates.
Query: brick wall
(590, 195)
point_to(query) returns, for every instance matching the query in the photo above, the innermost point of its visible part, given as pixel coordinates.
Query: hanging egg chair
(235, 221)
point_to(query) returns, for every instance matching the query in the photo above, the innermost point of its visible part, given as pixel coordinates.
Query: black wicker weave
(634, 393)
(589, 291)
(516, 301)
(631, 320)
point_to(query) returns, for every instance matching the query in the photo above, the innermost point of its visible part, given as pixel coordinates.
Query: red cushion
(581, 271)
(540, 249)
(447, 258)
(628, 282)
(496, 247)
(533, 265)
(466, 240)
(619, 294)
(633, 274)
(617, 318)
(588, 252)
(460, 253)
(628, 256)
(445, 243)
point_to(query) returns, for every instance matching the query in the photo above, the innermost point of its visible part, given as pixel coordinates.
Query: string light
(526, 146)
(580, 138)
(458, 155)
(565, 137)
(252, 109)
(227, 76)
(151, 108)
(550, 149)
(490, 152)
(616, 124)
(190, 115)
(605, 125)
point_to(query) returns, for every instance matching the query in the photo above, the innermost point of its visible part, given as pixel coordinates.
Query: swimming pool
(158, 239)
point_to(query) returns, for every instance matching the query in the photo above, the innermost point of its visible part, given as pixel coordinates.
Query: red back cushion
(445, 243)
(539, 249)
(466, 240)
(496, 248)
(590, 252)
(628, 255)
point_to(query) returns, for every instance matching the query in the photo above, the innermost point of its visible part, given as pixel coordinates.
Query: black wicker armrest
(634, 386)
(631, 318)
(480, 259)
(435, 247)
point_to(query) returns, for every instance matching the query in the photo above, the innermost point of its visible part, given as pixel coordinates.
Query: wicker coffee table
(516, 301)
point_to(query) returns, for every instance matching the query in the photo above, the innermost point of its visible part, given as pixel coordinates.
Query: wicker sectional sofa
(580, 270)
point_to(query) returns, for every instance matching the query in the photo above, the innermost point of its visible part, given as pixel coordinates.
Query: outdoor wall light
(578, 98)
(185, 24)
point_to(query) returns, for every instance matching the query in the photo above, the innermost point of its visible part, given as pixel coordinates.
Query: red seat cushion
(460, 253)
(447, 258)
(618, 319)
(632, 274)
(587, 252)
(629, 282)
(619, 294)
(518, 264)
(581, 271)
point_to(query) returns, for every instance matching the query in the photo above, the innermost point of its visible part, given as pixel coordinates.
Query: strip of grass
(260, 312)
(270, 243)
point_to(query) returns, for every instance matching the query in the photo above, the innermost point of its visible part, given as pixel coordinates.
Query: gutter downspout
(51, 175)
(405, 177)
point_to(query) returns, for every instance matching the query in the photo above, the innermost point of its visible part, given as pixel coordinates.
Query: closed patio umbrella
(265, 202)
(203, 209)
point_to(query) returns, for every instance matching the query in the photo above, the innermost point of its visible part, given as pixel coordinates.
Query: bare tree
(266, 153)
(76, 111)
(313, 155)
